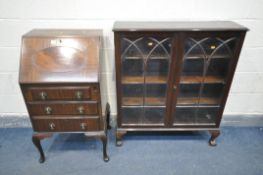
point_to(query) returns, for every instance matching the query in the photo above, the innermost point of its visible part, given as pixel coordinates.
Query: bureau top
(177, 26)
(63, 33)
(60, 56)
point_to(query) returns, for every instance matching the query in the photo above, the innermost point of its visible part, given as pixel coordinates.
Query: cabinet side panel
(118, 75)
(232, 68)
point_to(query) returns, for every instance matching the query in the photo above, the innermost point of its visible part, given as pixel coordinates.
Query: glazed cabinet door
(143, 63)
(202, 83)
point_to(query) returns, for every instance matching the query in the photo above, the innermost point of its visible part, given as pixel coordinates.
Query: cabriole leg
(119, 137)
(214, 135)
(36, 138)
(104, 143)
(107, 113)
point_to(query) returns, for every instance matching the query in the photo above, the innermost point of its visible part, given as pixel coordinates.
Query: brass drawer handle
(51, 126)
(79, 95)
(83, 126)
(81, 109)
(43, 95)
(48, 110)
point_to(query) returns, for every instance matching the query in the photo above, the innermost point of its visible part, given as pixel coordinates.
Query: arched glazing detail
(145, 65)
(204, 72)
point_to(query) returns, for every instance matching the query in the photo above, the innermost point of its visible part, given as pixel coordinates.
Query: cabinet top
(177, 26)
(60, 56)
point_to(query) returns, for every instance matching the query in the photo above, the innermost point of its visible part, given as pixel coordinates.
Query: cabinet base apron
(121, 132)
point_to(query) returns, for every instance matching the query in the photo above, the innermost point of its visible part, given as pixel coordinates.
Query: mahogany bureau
(59, 79)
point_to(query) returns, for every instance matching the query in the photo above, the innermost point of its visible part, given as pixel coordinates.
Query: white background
(18, 17)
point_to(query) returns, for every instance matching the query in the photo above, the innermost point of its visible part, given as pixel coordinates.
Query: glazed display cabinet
(174, 76)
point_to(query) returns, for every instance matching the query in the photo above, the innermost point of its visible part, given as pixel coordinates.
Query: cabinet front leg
(214, 135)
(36, 138)
(104, 143)
(119, 137)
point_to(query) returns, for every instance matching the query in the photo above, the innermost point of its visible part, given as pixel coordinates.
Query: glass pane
(193, 115)
(143, 115)
(205, 67)
(145, 67)
(133, 94)
(155, 94)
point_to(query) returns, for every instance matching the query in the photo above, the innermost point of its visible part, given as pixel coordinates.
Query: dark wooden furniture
(59, 79)
(174, 76)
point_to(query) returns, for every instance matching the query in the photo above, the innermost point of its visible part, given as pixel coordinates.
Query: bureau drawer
(61, 93)
(63, 108)
(65, 125)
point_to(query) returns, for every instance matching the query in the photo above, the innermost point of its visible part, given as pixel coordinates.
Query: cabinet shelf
(155, 101)
(193, 101)
(200, 79)
(136, 57)
(200, 56)
(140, 79)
